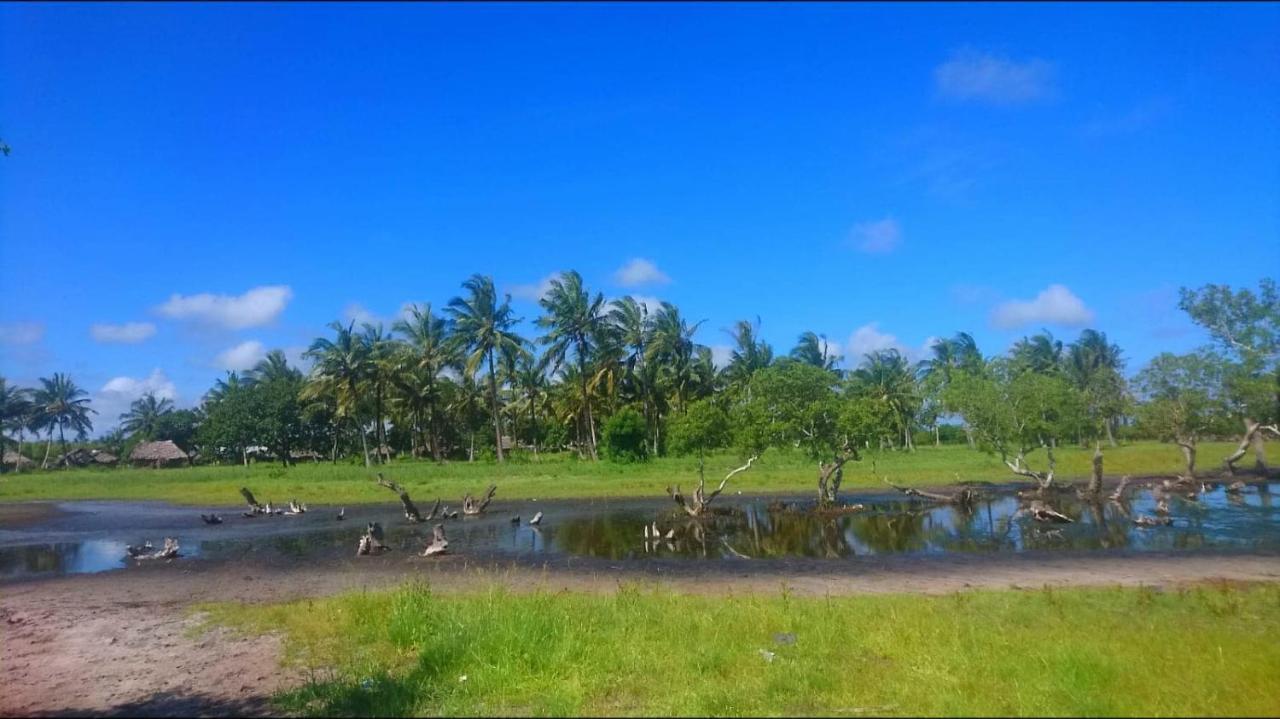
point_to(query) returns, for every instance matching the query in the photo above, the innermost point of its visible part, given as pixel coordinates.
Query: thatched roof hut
(86, 458)
(17, 461)
(158, 454)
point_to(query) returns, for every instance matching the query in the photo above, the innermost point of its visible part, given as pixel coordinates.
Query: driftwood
(1236, 487)
(1042, 512)
(697, 506)
(410, 509)
(1095, 479)
(146, 551)
(254, 506)
(211, 519)
(515, 519)
(371, 542)
(1252, 437)
(342, 514)
(438, 545)
(471, 507)
(966, 497)
(1019, 467)
(1118, 494)
(1148, 521)
(537, 519)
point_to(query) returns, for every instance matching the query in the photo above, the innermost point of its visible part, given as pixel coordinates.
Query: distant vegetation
(629, 382)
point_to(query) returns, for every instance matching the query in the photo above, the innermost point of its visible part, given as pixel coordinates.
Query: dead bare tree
(1253, 432)
(1042, 512)
(698, 505)
(471, 507)
(1019, 466)
(410, 509)
(438, 545)
(1118, 494)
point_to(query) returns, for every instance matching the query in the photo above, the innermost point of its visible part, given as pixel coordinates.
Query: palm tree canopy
(62, 404)
(144, 414)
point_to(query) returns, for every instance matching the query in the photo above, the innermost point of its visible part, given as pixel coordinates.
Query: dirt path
(126, 643)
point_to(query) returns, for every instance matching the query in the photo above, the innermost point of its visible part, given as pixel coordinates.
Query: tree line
(629, 381)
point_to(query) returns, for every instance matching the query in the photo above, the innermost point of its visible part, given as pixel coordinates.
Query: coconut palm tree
(431, 350)
(1039, 353)
(143, 417)
(634, 331)
(530, 383)
(813, 349)
(1095, 367)
(575, 322)
(483, 328)
(673, 348)
(345, 364)
(750, 355)
(62, 404)
(380, 349)
(16, 414)
(887, 378)
(271, 368)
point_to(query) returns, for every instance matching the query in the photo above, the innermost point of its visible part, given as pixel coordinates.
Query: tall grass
(1201, 651)
(561, 475)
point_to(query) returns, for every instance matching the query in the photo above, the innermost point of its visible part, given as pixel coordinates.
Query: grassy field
(1202, 651)
(552, 476)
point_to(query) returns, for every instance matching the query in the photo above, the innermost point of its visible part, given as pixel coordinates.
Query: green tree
(61, 404)
(1094, 365)
(1182, 400)
(1246, 325)
(704, 426)
(342, 365)
(626, 437)
(483, 328)
(275, 389)
(575, 322)
(750, 355)
(431, 352)
(17, 413)
(144, 415)
(888, 379)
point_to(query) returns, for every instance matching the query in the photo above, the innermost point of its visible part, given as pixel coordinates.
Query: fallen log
(410, 509)
(1148, 521)
(168, 551)
(371, 542)
(1042, 512)
(471, 507)
(211, 519)
(965, 497)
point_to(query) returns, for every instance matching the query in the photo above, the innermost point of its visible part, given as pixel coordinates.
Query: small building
(158, 454)
(87, 458)
(305, 455)
(13, 460)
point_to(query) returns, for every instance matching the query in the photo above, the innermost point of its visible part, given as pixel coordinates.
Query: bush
(704, 426)
(624, 437)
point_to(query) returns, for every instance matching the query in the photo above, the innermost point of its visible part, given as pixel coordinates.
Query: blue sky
(191, 185)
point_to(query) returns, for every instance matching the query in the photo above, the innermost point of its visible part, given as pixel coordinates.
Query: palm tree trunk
(333, 455)
(364, 444)
(17, 465)
(586, 400)
(533, 424)
(937, 435)
(380, 431)
(48, 447)
(493, 403)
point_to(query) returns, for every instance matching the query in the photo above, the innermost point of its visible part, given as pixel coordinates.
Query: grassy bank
(1202, 651)
(551, 476)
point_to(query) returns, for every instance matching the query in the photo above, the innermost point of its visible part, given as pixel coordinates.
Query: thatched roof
(306, 454)
(101, 457)
(164, 451)
(12, 458)
(83, 457)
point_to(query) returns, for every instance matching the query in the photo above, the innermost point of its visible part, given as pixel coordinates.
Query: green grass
(1083, 652)
(562, 476)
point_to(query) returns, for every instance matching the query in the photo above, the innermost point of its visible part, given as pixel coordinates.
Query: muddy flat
(87, 632)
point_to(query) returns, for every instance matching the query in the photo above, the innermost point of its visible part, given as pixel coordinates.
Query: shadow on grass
(179, 704)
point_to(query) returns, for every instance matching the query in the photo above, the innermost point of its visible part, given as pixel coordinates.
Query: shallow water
(91, 536)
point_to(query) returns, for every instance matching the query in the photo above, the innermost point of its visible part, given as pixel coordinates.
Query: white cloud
(878, 237)
(533, 292)
(118, 393)
(868, 338)
(1055, 305)
(21, 333)
(640, 271)
(973, 75)
(257, 307)
(358, 313)
(128, 333)
(720, 355)
(241, 357)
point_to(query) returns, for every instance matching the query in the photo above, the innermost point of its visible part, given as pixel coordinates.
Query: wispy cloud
(119, 392)
(1055, 305)
(128, 333)
(255, 308)
(640, 271)
(720, 355)
(972, 75)
(21, 333)
(868, 338)
(240, 357)
(879, 237)
(535, 291)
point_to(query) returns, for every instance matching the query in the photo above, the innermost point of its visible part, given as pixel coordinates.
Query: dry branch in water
(697, 506)
(1042, 512)
(410, 509)
(168, 551)
(965, 497)
(371, 542)
(471, 507)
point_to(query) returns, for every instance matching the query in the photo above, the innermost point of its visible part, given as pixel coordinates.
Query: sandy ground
(127, 642)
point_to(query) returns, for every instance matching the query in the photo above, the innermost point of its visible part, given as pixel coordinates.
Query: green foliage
(1014, 410)
(704, 426)
(1061, 652)
(625, 437)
